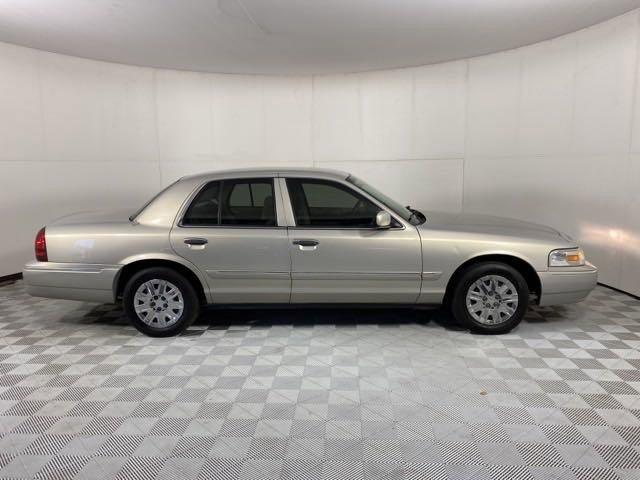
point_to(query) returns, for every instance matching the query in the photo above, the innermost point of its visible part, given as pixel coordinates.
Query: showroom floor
(319, 394)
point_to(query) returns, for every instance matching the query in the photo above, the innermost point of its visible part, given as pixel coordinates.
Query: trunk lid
(93, 217)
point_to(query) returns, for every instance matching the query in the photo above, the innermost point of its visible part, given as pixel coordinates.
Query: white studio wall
(547, 133)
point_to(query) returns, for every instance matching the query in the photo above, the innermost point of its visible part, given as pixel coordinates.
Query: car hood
(488, 224)
(93, 217)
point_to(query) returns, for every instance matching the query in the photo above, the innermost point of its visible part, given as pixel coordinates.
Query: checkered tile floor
(319, 394)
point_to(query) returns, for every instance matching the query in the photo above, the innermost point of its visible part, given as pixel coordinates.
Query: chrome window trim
(368, 229)
(291, 217)
(280, 221)
(241, 227)
(286, 202)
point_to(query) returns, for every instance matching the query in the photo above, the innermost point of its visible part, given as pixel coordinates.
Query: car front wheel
(160, 302)
(490, 297)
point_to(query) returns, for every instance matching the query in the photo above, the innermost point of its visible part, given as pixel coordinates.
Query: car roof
(270, 172)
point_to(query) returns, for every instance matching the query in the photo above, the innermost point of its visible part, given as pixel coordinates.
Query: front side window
(323, 203)
(243, 202)
(411, 215)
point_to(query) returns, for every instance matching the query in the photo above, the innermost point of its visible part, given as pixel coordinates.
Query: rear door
(337, 252)
(232, 230)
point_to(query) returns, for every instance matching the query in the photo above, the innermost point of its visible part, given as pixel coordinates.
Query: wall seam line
(154, 77)
(465, 137)
(629, 163)
(43, 124)
(312, 127)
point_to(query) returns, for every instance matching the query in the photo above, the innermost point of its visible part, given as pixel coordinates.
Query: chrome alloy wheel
(492, 300)
(158, 303)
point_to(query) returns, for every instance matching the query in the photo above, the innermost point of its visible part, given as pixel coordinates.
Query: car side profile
(300, 237)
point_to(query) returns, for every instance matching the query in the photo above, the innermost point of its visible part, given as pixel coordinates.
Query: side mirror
(383, 219)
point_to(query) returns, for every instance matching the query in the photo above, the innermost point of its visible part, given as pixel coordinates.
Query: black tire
(191, 304)
(466, 280)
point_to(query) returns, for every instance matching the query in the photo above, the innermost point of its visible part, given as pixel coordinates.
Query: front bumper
(71, 281)
(567, 284)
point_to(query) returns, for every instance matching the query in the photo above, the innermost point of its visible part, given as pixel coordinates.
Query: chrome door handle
(196, 241)
(306, 244)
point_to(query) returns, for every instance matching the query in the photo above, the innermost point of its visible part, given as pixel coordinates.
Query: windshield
(404, 212)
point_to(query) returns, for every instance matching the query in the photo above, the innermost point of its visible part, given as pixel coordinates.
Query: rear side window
(323, 203)
(243, 202)
(248, 202)
(205, 207)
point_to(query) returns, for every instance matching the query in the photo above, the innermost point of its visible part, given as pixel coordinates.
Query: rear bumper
(71, 281)
(563, 285)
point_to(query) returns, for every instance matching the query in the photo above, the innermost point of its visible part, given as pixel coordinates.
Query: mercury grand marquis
(302, 237)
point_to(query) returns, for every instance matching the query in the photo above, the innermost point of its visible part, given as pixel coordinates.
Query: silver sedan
(302, 237)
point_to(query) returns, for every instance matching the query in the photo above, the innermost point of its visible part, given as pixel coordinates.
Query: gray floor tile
(319, 394)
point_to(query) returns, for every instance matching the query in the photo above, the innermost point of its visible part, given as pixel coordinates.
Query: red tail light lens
(41, 246)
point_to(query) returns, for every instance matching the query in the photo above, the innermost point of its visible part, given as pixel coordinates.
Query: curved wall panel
(546, 133)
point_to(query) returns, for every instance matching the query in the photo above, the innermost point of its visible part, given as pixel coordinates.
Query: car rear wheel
(490, 297)
(160, 302)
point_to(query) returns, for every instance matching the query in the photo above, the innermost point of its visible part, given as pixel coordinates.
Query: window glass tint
(382, 198)
(324, 203)
(327, 196)
(248, 202)
(240, 195)
(204, 207)
(260, 192)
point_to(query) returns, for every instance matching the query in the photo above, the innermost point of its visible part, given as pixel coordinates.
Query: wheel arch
(522, 266)
(134, 265)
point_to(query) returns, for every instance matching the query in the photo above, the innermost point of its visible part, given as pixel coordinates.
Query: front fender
(535, 265)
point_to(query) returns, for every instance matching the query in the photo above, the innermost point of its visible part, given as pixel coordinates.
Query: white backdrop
(547, 133)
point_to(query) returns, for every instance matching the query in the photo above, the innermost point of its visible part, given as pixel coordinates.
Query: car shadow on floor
(224, 317)
(310, 316)
(342, 317)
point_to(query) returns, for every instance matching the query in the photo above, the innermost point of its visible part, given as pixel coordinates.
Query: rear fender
(167, 258)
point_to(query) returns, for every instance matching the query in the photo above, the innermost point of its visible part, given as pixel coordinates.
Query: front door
(230, 231)
(339, 255)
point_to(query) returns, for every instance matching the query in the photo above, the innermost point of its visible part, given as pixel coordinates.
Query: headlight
(566, 257)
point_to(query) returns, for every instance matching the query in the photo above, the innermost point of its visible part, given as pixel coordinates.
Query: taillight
(41, 246)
